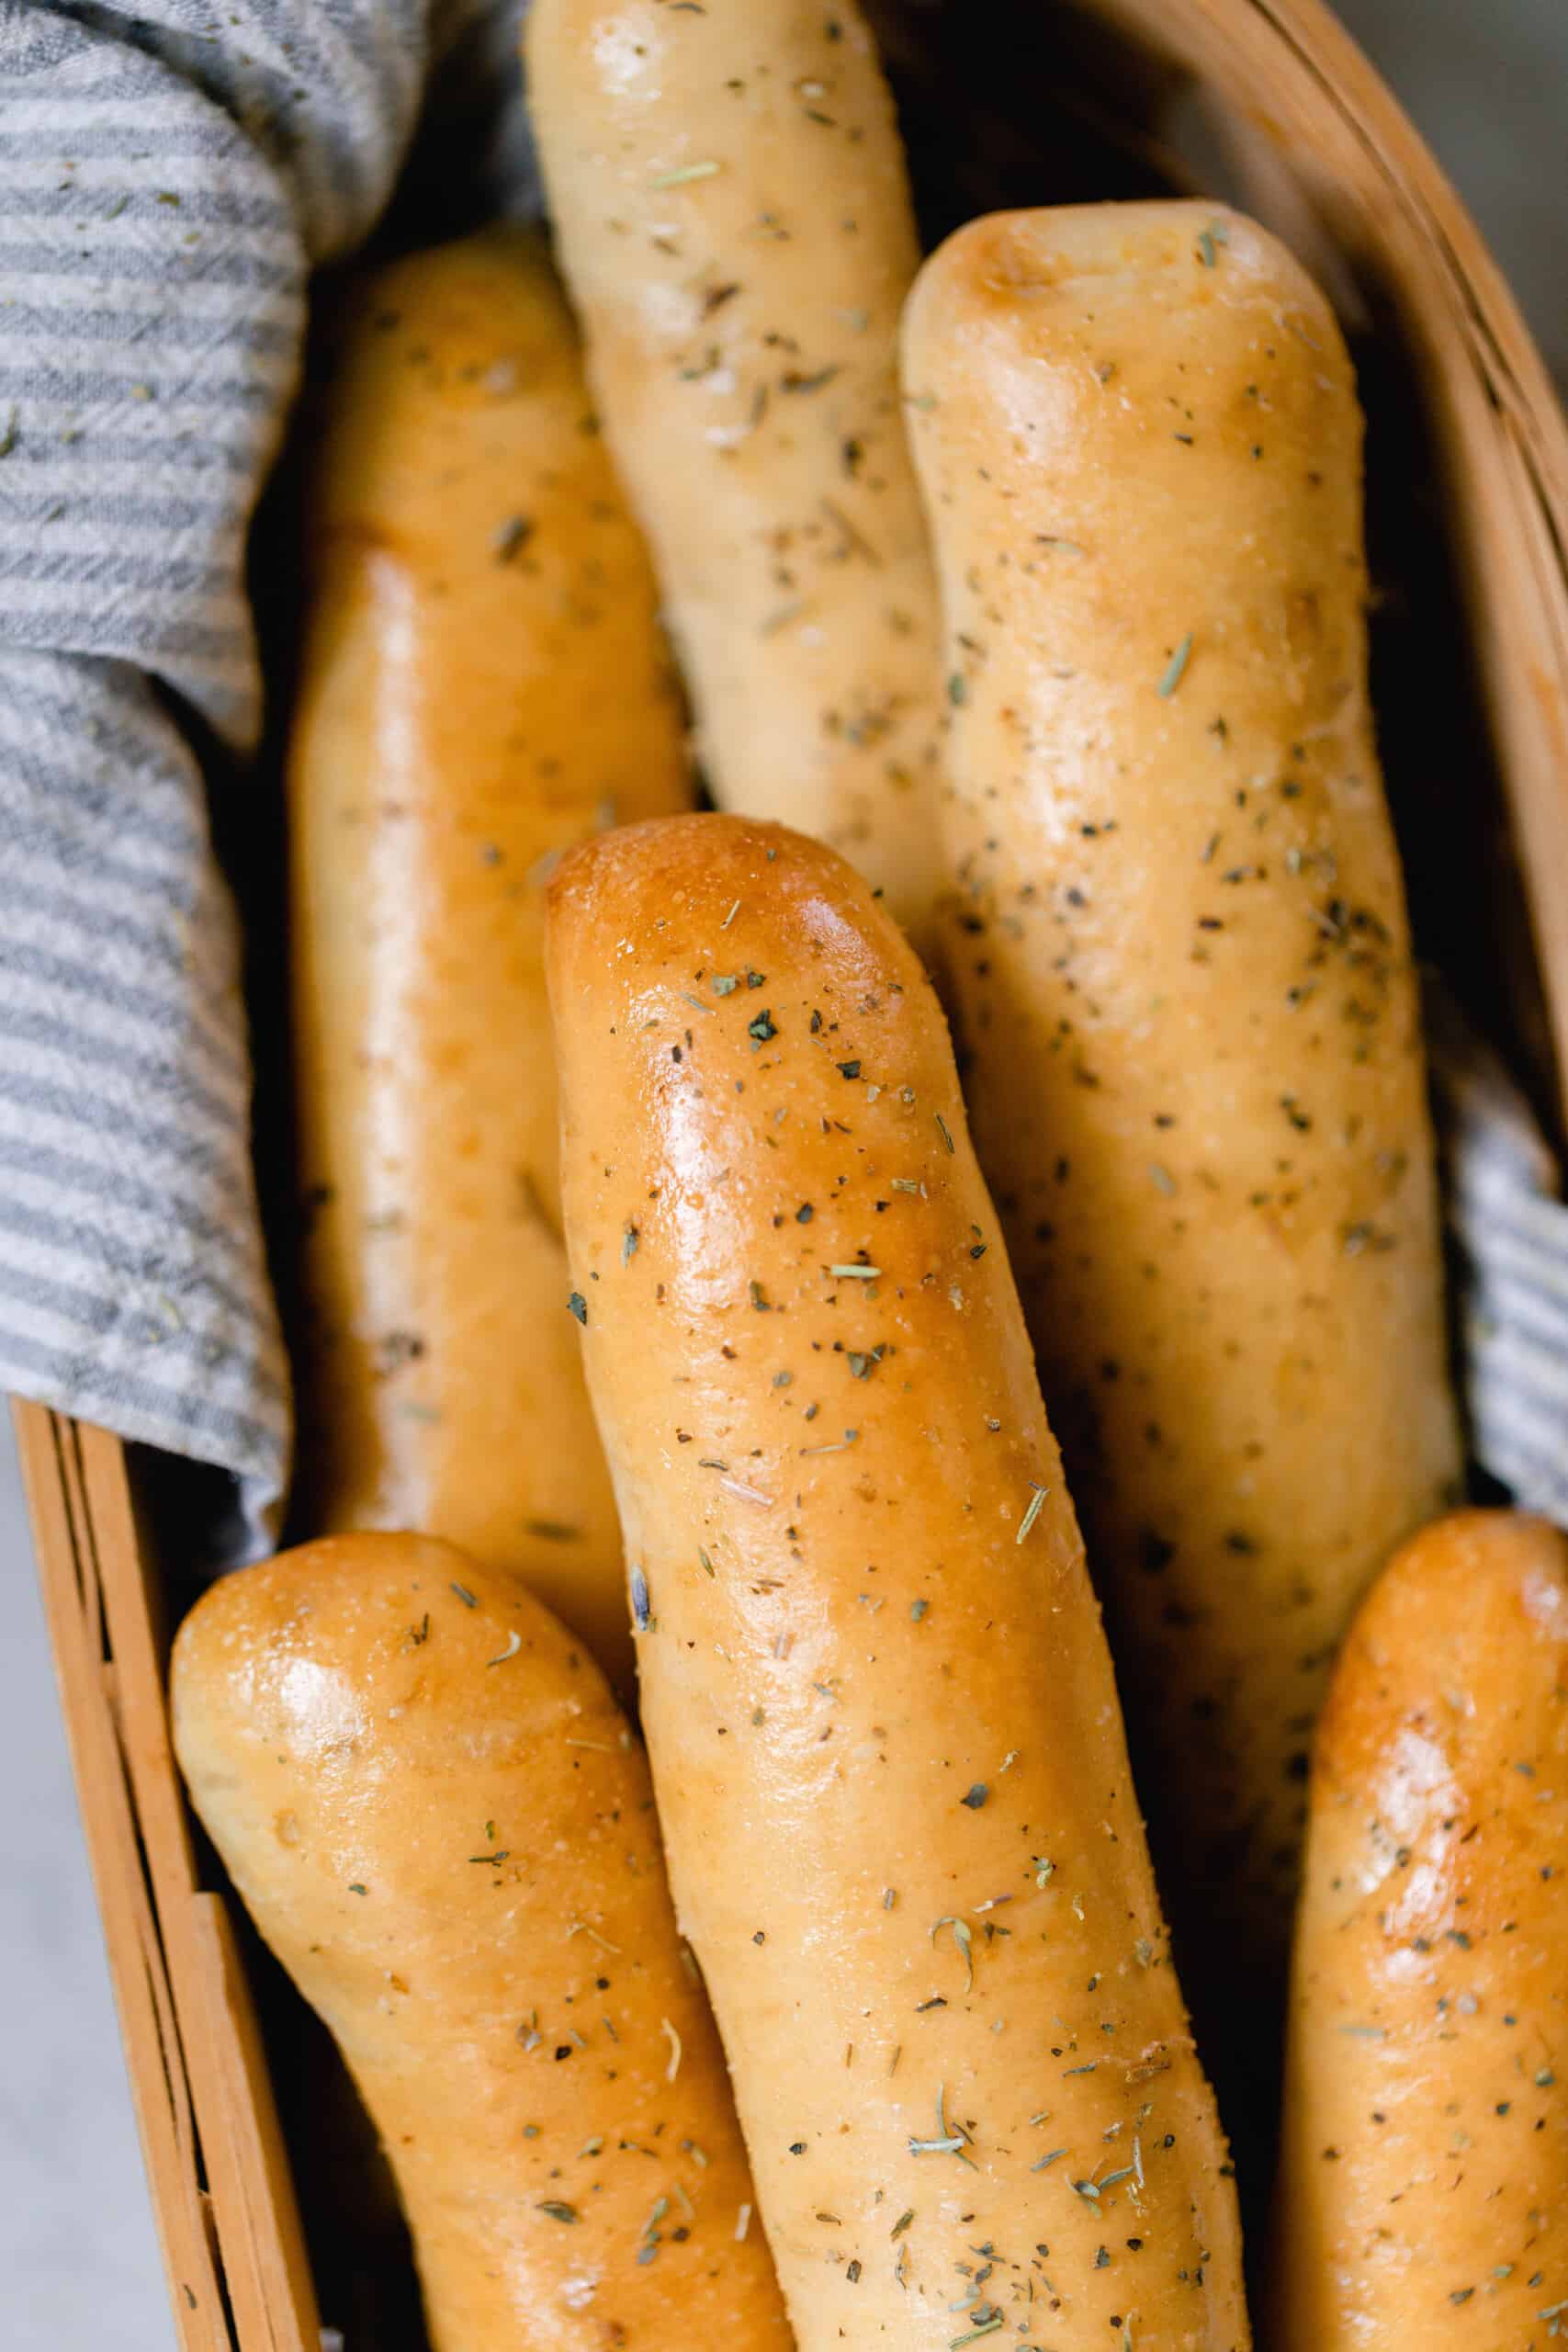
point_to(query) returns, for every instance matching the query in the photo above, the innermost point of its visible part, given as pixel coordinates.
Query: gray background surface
(79, 2262)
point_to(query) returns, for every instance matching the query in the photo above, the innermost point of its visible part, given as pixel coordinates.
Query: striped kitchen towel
(1509, 1232)
(171, 174)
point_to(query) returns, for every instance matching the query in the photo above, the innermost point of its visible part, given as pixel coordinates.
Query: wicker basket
(1268, 102)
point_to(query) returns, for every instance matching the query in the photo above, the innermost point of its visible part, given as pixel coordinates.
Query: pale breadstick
(733, 217)
(887, 1751)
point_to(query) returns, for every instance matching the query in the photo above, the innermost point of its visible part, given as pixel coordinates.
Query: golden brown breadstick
(1183, 975)
(734, 220)
(439, 1821)
(1424, 2189)
(889, 1759)
(484, 682)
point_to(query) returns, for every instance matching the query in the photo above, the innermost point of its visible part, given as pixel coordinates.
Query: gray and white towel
(171, 174)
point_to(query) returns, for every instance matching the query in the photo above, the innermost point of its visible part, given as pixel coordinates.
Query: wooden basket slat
(271, 2254)
(233, 2241)
(160, 2094)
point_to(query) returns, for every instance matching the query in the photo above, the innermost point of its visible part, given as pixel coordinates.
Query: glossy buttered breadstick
(484, 682)
(440, 1823)
(733, 217)
(889, 1759)
(1424, 2186)
(1183, 974)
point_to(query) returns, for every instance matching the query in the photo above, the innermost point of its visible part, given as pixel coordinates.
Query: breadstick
(484, 682)
(733, 218)
(1424, 2188)
(1184, 978)
(440, 1823)
(888, 1756)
